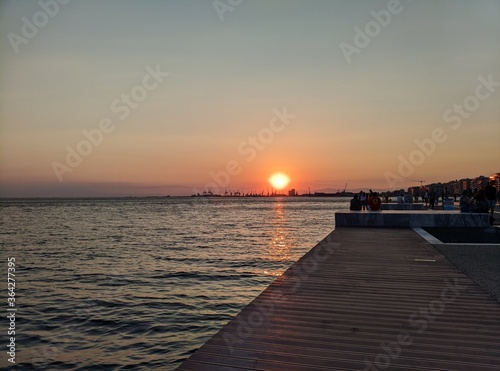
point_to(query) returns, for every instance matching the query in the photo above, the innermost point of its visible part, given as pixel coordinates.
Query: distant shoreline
(304, 196)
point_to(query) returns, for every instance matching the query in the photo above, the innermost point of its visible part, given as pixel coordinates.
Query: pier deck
(362, 299)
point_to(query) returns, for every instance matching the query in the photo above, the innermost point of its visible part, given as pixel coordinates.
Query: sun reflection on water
(278, 249)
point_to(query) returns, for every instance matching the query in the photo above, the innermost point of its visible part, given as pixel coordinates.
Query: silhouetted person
(491, 195)
(465, 202)
(479, 203)
(374, 201)
(363, 198)
(400, 199)
(432, 198)
(355, 204)
(446, 194)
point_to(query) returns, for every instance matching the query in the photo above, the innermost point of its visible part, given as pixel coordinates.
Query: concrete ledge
(402, 206)
(410, 219)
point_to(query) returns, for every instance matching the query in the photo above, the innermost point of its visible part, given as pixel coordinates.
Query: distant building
(453, 187)
(458, 186)
(466, 184)
(439, 188)
(416, 191)
(292, 193)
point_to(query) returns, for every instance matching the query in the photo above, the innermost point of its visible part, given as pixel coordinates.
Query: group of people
(477, 201)
(364, 201)
(480, 201)
(431, 197)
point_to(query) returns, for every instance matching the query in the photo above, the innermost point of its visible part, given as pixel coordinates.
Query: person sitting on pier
(465, 202)
(400, 199)
(446, 194)
(374, 202)
(355, 204)
(363, 198)
(479, 203)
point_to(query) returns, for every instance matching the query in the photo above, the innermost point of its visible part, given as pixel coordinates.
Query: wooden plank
(362, 299)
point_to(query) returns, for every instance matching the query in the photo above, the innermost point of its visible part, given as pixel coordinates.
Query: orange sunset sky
(151, 97)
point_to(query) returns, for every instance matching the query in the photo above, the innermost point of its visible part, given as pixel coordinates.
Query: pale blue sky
(352, 121)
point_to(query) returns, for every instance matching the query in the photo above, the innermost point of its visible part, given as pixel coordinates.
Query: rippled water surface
(142, 283)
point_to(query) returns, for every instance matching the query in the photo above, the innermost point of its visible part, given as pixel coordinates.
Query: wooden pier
(362, 299)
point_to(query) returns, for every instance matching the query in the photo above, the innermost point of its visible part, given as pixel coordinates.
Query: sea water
(141, 283)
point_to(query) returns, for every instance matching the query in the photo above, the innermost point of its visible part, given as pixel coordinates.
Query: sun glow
(279, 180)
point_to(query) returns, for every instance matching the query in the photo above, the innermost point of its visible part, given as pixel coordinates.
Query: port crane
(421, 182)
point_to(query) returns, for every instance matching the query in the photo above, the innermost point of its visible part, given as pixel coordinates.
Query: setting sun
(279, 180)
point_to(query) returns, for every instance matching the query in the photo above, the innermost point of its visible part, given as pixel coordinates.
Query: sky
(151, 97)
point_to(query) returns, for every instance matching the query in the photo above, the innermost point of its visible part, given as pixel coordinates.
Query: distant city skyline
(129, 98)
